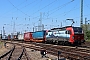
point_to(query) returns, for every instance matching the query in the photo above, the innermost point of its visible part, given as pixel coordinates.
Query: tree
(88, 34)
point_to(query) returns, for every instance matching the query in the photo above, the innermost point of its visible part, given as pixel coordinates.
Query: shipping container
(39, 36)
(21, 37)
(28, 36)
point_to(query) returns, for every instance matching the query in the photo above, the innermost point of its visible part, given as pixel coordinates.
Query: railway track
(18, 52)
(71, 53)
(66, 51)
(7, 54)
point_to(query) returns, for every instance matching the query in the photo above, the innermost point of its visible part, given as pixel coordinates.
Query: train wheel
(63, 43)
(46, 42)
(59, 43)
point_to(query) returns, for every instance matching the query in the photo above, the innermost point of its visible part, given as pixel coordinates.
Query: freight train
(38, 36)
(64, 35)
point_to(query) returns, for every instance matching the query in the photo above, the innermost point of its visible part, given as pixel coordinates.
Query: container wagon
(39, 36)
(21, 37)
(28, 36)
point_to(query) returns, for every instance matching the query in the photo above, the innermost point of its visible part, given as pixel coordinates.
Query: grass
(1, 44)
(88, 40)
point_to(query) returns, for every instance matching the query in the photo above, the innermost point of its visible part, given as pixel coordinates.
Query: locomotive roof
(61, 28)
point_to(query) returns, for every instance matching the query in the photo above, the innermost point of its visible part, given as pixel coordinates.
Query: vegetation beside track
(1, 44)
(88, 40)
(2, 48)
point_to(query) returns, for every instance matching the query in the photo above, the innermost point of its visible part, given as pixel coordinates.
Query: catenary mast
(81, 22)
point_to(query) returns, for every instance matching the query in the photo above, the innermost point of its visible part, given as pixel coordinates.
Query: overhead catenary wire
(57, 8)
(27, 5)
(60, 7)
(18, 9)
(13, 8)
(41, 8)
(84, 14)
(67, 12)
(38, 16)
(44, 7)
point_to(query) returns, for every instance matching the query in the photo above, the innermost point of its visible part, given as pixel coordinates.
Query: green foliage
(1, 43)
(88, 35)
(87, 40)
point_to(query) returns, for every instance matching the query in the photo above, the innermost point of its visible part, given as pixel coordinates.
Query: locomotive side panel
(57, 36)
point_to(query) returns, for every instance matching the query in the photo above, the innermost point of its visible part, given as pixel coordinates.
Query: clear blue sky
(26, 13)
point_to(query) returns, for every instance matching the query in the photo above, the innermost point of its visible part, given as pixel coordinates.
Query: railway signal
(43, 53)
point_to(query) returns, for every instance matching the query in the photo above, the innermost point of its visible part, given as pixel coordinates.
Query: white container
(21, 37)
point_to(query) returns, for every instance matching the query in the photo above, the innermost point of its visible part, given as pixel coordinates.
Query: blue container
(38, 34)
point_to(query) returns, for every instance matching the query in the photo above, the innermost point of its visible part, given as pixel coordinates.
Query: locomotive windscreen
(77, 30)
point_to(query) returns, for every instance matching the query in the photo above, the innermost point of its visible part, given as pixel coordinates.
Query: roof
(61, 28)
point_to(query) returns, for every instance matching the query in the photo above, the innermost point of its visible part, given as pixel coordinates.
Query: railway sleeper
(19, 58)
(10, 51)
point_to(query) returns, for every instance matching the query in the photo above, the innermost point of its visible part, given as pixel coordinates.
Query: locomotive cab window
(68, 32)
(77, 30)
